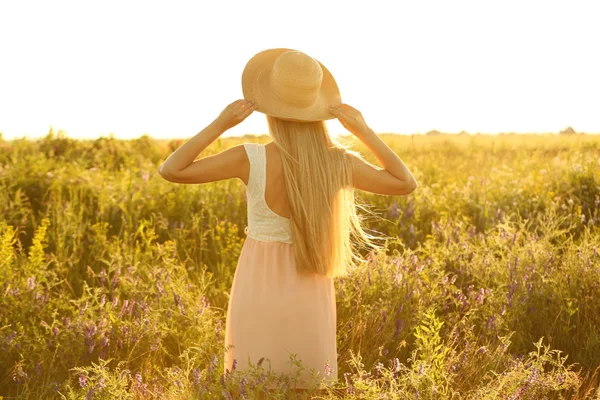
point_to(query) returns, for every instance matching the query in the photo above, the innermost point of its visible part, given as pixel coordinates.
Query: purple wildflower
(410, 210)
(393, 213)
(378, 368)
(31, 282)
(349, 383)
(131, 304)
(123, 308)
(196, 375)
(328, 369)
(82, 381)
(396, 364)
(243, 383)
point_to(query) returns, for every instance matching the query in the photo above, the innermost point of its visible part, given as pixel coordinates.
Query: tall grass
(114, 283)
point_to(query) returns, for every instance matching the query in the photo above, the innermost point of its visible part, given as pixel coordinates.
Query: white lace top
(263, 223)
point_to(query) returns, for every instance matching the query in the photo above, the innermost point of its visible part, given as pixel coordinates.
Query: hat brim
(255, 87)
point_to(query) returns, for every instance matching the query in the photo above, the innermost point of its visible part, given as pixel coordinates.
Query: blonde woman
(303, 229)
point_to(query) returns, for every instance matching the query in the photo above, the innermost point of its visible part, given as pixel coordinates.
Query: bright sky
(168, 68)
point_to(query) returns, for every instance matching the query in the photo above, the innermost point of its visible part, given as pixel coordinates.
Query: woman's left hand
(235, 113)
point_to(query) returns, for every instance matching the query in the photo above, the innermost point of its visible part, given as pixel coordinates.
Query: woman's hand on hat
(235, 113)
(350, 118)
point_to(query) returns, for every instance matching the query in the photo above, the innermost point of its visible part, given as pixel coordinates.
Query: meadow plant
(114, 283)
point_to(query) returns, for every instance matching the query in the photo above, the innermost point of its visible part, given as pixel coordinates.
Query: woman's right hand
(350, 118)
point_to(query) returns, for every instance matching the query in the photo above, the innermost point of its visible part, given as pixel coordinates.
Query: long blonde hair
(326, 229)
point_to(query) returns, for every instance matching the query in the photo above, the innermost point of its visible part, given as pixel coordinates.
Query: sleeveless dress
(273, 311)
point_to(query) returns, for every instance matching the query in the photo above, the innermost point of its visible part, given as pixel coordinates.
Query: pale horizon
(167, 70)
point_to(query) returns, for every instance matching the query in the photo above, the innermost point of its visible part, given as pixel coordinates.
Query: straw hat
(289, 84)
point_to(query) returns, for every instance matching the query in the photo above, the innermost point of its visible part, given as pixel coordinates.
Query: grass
(114, 283)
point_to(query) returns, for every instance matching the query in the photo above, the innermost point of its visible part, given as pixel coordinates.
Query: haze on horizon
(168, 69)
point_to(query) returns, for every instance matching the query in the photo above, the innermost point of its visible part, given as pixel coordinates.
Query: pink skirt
(274, 312)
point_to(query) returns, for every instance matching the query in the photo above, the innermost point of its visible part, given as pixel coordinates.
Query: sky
(167, 69)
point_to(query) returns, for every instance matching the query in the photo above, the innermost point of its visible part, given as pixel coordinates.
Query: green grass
(114, 282)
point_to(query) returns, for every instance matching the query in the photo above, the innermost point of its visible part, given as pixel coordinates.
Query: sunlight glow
(168, 68)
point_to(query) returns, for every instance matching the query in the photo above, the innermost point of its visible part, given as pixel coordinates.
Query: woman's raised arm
(180, 166)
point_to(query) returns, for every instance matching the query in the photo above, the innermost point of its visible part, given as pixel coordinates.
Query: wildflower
(261, 361)
(105, 340)
(90, 330)
(90, 394)
(482, 350)
(349, 383)
(393, 213)
(397, 278)
(123, 308)
(82, 381)
(243, 383)
(130, 309)
(262, 378)
(234, 364)
(480, 296)
(31, 282)
(55, 331)
(378, 368)
(160, 288)
(115, 278)
(102, 276)
(196, 375)
(328, 369)
(409, 212)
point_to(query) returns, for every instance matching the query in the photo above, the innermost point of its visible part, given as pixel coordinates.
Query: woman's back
(275, 190)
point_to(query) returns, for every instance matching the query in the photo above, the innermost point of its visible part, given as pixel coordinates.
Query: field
(114, 282)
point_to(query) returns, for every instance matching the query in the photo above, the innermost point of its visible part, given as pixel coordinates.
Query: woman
(302, 222)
